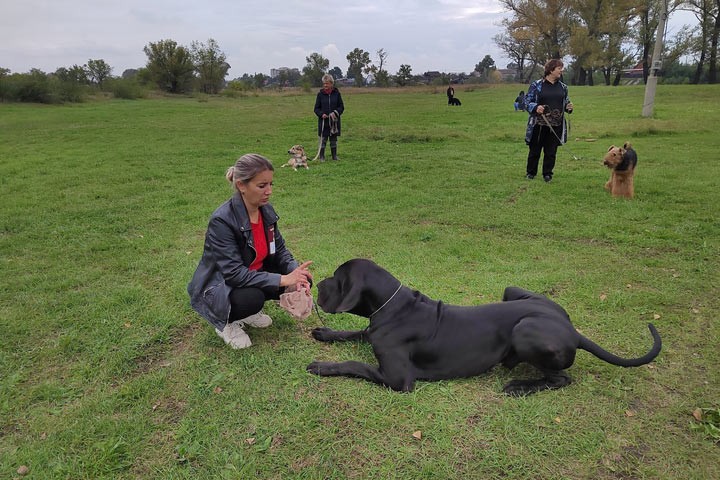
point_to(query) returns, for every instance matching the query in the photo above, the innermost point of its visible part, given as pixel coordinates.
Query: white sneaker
(259, 320)
(235, 336)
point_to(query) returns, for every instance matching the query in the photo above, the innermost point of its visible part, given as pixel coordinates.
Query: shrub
(34, 86)
(127, 88)
(68, 91)
(39, 87)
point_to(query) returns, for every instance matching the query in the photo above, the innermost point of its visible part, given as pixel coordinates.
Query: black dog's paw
(519, 388)
(323, 334)
(320, 368)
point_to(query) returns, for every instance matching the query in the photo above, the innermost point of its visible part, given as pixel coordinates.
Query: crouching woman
(245, 261)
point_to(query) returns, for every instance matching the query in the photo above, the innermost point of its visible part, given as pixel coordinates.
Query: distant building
(275, 72)
(507, 74)
(345, 82)
(634, 75)
(634, 72)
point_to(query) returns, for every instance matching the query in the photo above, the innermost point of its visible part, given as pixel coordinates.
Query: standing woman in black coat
(328, 108)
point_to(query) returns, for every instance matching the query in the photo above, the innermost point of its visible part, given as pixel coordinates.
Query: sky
(444, 35)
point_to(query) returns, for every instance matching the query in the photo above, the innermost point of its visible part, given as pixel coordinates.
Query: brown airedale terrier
(622, 161)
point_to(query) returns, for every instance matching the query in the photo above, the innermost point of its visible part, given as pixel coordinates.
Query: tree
(518, 45)
(170, 65)
(585, 33)
(259, 80)
(316, 67)
(403, 76)
(715, 33)
(485, 67)
(210, 65)
(703, 11)
(75, 74)
(98, 71)
(382, 78)
(359, 60)
(282, 79)
(293, 77)
(129, 73)
(648, 12)
(547, 22)
(336, 72)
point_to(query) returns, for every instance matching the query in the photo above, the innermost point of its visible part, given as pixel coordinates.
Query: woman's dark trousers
(543, 139)
(247, 301)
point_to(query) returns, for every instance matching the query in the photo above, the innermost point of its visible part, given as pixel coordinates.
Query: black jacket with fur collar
(228, 253)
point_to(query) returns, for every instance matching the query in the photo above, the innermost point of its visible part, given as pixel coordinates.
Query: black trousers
(248, 301)
(543, 139)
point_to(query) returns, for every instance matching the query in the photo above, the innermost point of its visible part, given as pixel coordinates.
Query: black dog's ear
(351, 293)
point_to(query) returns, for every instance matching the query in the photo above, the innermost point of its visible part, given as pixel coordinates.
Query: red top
(261, 246)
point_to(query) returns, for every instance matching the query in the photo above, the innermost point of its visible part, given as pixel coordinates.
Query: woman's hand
(569, 107)
(540, 109)
(324, 115)
(300, 278)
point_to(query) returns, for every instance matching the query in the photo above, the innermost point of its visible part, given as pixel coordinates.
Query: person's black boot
(321, 155)
(333, 150)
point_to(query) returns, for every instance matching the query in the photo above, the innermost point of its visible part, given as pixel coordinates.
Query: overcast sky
(444, 35)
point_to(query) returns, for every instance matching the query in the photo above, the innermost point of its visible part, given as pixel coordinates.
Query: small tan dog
(299, 159)
(622, 161)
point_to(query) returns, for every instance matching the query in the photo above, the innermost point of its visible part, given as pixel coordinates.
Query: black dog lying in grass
(416, 338)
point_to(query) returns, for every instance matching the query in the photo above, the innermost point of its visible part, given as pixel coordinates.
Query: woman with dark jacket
(547, 102)
(328, 108)
(245, 261)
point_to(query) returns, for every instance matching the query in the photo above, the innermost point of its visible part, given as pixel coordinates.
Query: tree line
(203, 67)
(601, 37)
(170, 67)
(607, 36)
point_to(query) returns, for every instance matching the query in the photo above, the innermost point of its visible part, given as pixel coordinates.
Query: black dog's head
(347, 290)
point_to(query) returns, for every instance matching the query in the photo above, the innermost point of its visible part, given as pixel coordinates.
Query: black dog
(454, 101)
(416, 338)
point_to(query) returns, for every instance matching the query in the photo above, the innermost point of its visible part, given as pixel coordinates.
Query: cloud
(255, 36)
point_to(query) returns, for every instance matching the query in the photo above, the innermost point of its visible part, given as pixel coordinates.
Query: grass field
(106, 372)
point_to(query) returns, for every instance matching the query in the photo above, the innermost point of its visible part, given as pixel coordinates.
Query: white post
(656, 65)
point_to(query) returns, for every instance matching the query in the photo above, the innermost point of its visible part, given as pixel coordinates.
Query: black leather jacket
(228, 253)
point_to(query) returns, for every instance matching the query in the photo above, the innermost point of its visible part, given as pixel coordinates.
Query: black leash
(322, 320)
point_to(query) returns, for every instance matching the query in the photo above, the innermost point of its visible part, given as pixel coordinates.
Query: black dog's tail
(602, 354)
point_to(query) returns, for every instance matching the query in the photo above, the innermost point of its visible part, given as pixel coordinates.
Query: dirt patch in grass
(520, 191)
(161, 355)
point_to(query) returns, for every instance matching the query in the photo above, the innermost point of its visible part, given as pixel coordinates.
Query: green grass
(106, 372)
